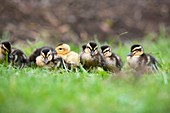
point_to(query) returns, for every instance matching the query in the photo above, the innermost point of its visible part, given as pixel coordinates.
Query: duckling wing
(154, 62)
(36, 53)
(119, 62)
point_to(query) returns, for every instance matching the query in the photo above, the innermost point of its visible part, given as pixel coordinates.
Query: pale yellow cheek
(87, 50)
(41, 57)
(50, 58)
(39, 61)
(106, 54)
(95, 52)
(138, 53)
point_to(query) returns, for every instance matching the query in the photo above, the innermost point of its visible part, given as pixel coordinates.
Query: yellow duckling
(71, 57)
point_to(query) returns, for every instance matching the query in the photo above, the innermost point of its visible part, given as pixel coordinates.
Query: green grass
(37, 90)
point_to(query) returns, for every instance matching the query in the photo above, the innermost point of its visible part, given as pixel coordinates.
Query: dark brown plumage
(18, 59)
(47, 57)
(37, 52)
(140, 61)
(110, 61)
(5, 51)
(90, 57)
(43, 57)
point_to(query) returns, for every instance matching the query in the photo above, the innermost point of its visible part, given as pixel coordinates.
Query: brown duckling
(43, 57)
(90, 57)
(111, 62)
(140, 61)
(19, 59)
(5, 51)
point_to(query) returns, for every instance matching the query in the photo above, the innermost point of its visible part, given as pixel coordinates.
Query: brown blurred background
(82, 20)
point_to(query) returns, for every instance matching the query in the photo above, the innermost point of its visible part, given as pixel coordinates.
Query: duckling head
(62, 49)
(6, 49)
(91, 48)
(46, 55)
(136, 50)
(106, 50)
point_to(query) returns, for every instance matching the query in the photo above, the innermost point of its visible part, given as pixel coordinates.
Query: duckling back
(72, 58)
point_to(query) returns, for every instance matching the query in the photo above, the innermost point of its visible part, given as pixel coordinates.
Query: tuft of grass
(41, 90)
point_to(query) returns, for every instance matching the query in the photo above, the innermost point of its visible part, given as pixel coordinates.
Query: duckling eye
(60, 48)
(48, 54)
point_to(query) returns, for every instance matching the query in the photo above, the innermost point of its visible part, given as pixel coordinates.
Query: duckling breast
(72, 58)
(133, 61)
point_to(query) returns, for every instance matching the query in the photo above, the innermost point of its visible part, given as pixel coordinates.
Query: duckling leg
(64, 64)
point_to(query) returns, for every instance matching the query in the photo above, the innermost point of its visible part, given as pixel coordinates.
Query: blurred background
(82, 20)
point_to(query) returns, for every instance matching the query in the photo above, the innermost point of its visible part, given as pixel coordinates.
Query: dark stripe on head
(7, 46)
(93, 45)
(45, 51)
(136, 46)
(104, 47)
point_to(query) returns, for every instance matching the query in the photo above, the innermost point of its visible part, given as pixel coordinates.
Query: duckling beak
(11, 56)
(46, 60)
(92, 53)
(130, 54)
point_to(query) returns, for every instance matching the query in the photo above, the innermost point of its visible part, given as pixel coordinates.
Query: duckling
(111, 62)
(140, 61)
(43, 57)
(90, 56)
(5, 51)
(70, 57)
(18, 59)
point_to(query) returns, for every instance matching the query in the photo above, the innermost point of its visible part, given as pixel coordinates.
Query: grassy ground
(36, 90)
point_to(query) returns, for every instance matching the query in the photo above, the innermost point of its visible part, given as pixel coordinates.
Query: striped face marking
(87, 50)
(137, 51)
(107, 52)
(46, 55)
(5, 48)
(43, 54)
(91, 48)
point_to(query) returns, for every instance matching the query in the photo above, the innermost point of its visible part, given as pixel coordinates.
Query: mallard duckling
(71, 57)
(43, 57)
(90, 56)
(140, 61)
(111, 62)
(5, 51)
(19, 59)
